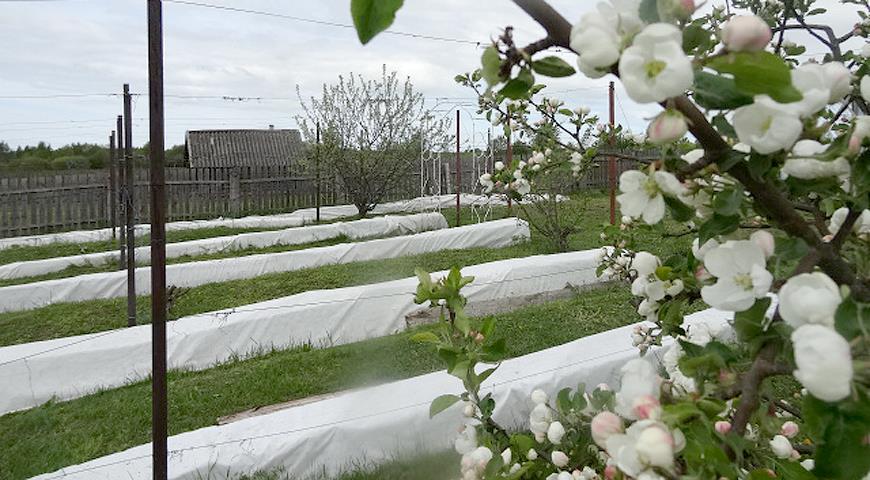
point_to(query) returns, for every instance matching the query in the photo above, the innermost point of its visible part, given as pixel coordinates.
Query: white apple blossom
(865, 88)
(506, 456)
(474, 463)
(739, 266)
(644, 445)
(765, 241)
(559, 459)
(722, 427)
(862, 225)
(832, 77)
(766, 126)
(469, 410)
(466, 442)
(499, 165)
(693, 156)
(605, 424)
(654, 68)
(522, 186)
(539, 396)
(860, 133)
(746, 33)
(802, 165)
(486, 182)
(532, 454)
(539, 421)
(599, 35)
(809, 298)
(781, 447)
(638, 378)
(642, 195)
(700, 251)
(669, 126)
(824, 362)
(808, 464)
(555, 433)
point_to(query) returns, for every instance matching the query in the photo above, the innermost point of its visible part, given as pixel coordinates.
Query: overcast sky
(92, 47)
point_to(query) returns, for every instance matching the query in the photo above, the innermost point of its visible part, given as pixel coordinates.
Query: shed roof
(242, 148)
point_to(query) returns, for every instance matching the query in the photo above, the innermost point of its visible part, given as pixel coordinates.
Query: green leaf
(679, 413)
(488, 327)
(749, 323)
(517, 88)
(679, 210)
(724, 128)
(852, 318)
(757, 73)
(694, 36)
(839, 430)
(491, 62)
(460, 369)
(649, 11)
(522, 443)
(371, 17)
(734, 157)
(552, 66)
(462, 323)
(425, 337)
(728, 201)
(717, 225)
(717, 92)
(442, 403)
(563, 401)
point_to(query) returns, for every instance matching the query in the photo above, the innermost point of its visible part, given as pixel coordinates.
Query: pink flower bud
(667, 127)
(610, 472)
(723, 427)
(765, 241)
(604, 425)
(789, 429)
(701, 274)
(746, 33)
(647, 407)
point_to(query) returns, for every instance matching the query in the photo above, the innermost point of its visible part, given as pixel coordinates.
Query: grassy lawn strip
(433, 466)
(56, 435)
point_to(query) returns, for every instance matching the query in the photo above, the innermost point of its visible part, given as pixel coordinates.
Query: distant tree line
(75, 156)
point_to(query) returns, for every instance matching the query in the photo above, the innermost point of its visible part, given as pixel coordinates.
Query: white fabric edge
(294, 219)
(375, 424)
(72, 367)
(354, 230)
(494, 234)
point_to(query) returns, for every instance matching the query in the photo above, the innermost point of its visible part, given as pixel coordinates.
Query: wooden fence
(44, 202)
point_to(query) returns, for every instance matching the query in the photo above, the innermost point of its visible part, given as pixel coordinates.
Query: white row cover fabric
(75, 366)
(354, 230)
(293, 219)
(496, 234)
(375, 424)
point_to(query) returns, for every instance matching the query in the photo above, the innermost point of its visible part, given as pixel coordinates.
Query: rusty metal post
(611, 162)
(159, 402)
(122, 195)
(317, 175)
(129, 215)
(458, 171)
(113, 185)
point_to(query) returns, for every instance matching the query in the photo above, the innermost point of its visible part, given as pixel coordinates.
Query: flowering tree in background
(776, 193)
(371, 133)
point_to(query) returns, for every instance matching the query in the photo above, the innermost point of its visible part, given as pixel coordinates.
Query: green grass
(55, 435)
(433, 466)
(66, 319)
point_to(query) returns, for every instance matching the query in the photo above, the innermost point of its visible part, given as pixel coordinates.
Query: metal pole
(113, 185)
(159, 402)
(611, 162)
(510, 156)
(458, 171)
(122, 195)
(317, 174)
(128, 207)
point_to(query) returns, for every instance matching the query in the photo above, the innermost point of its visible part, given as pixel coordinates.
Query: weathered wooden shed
(243, 148)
